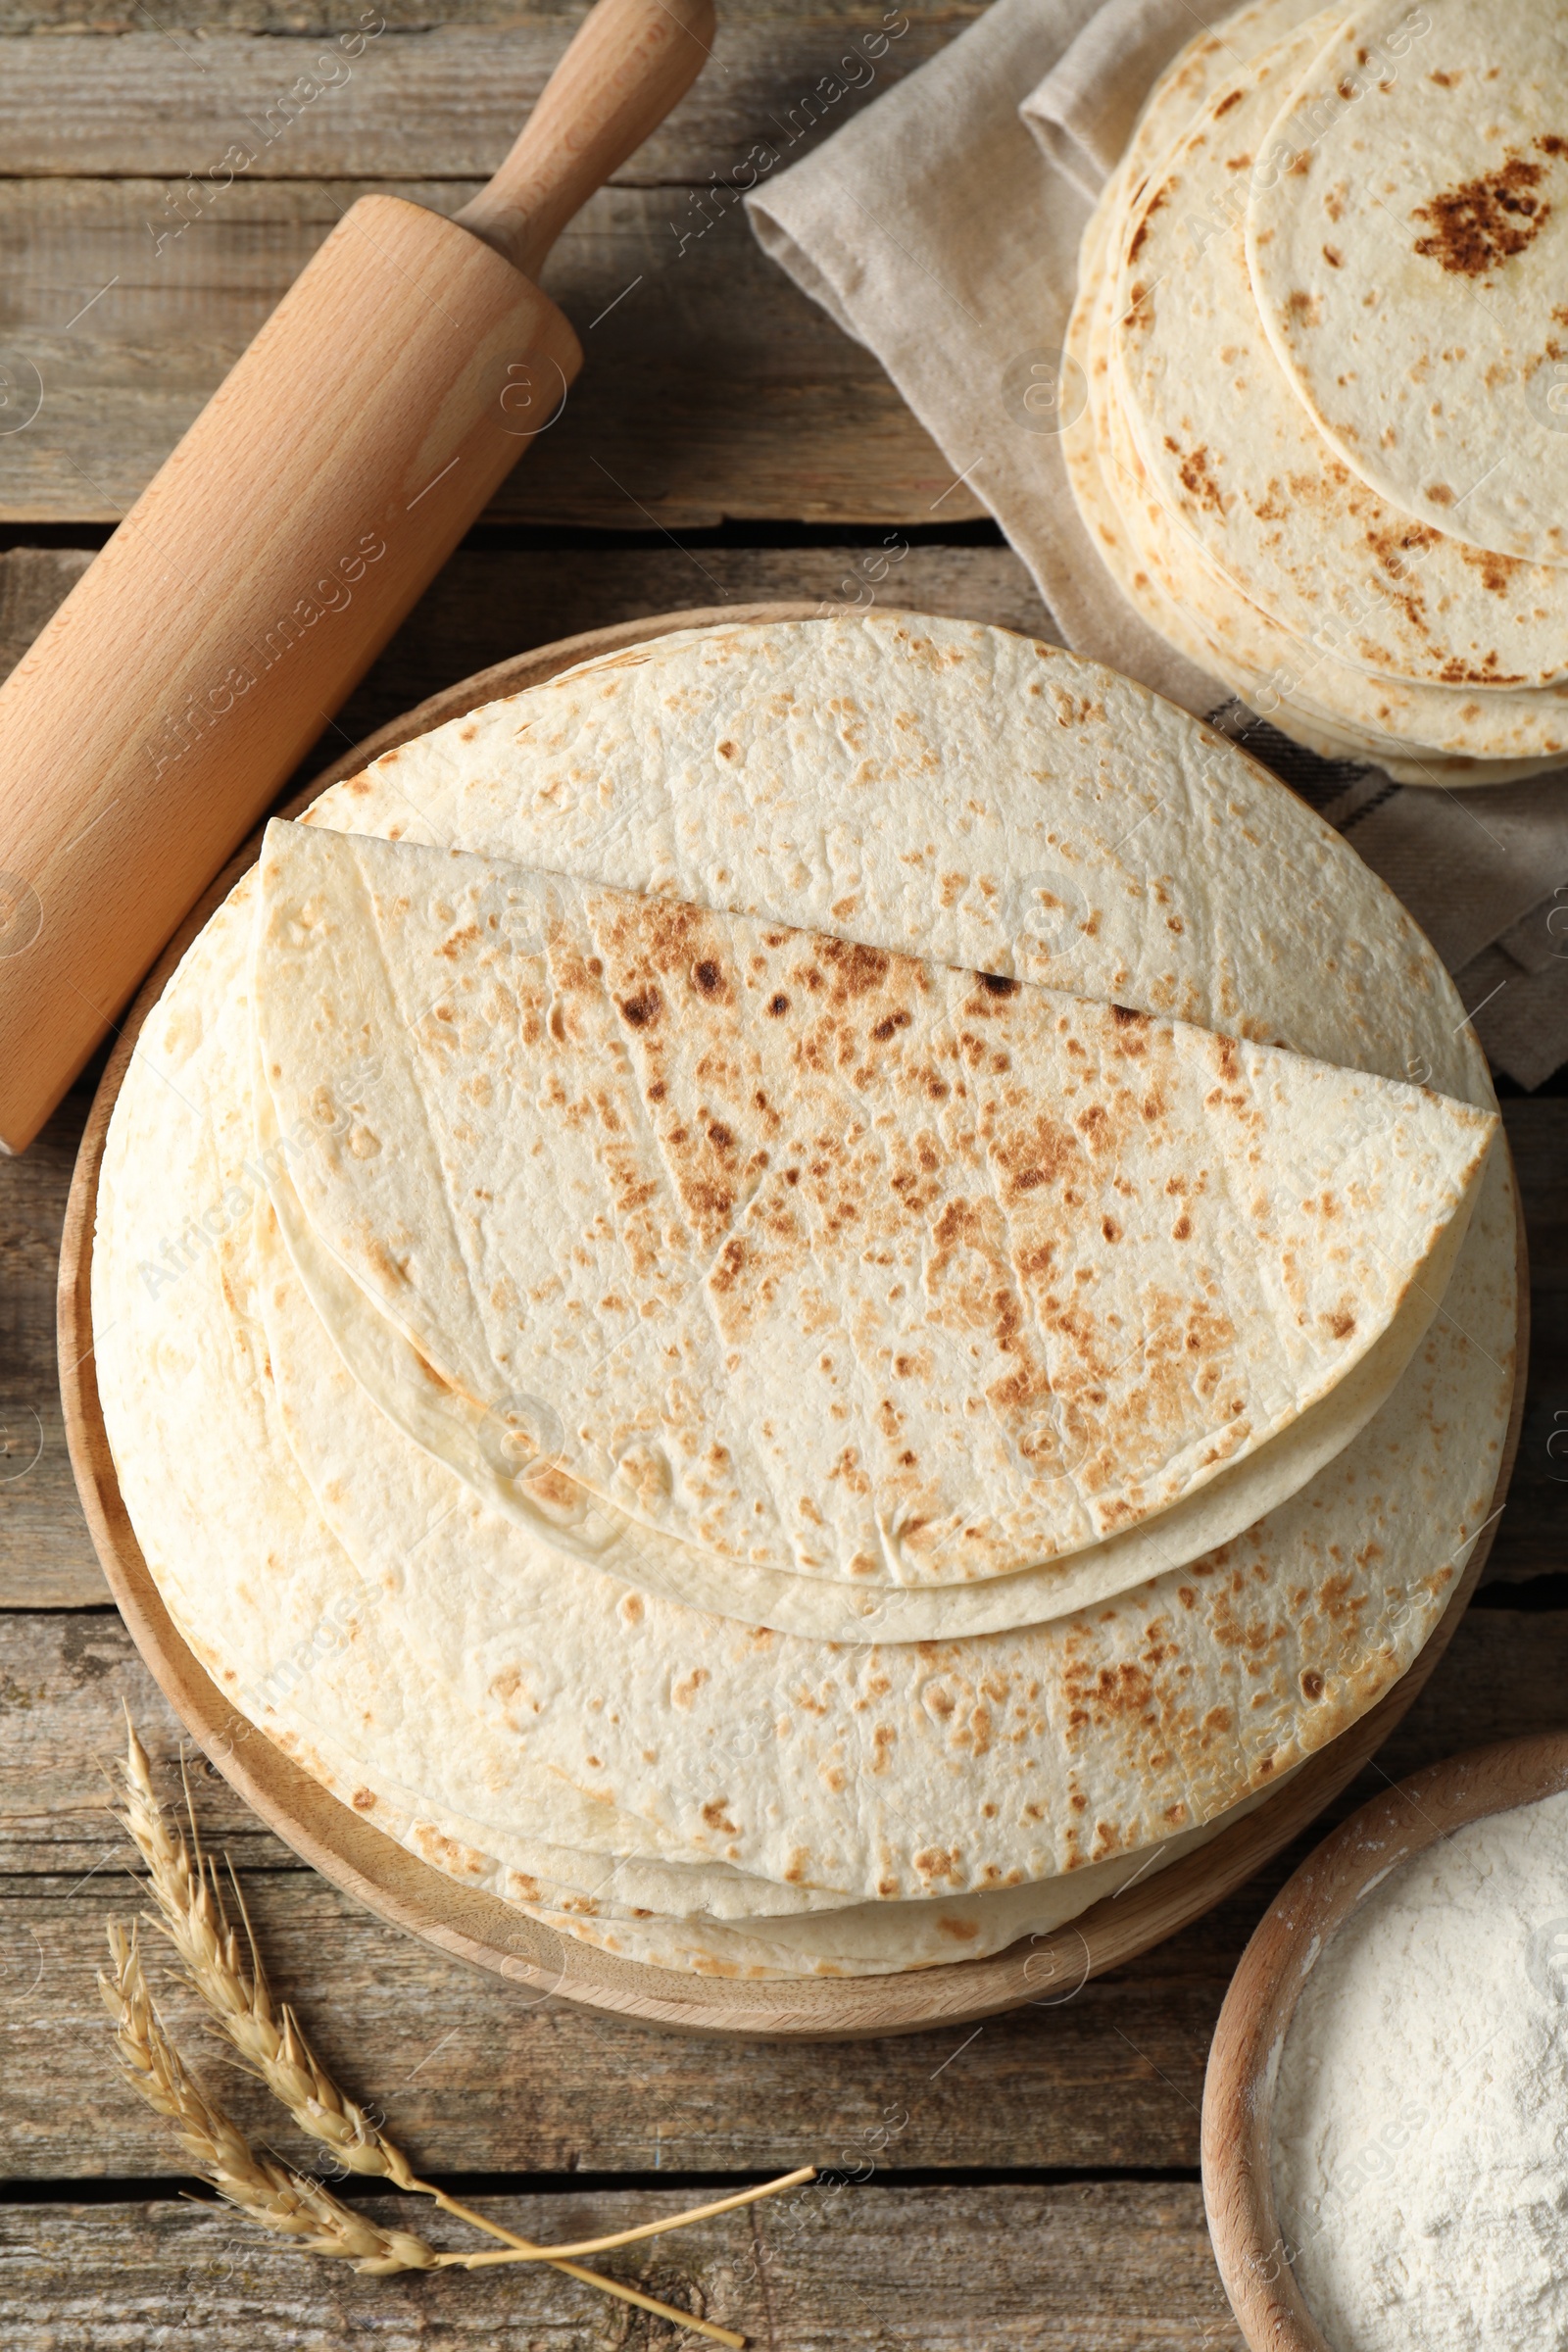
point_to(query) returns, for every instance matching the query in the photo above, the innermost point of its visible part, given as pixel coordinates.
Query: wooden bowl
(1289, 1940)
(392, 1883)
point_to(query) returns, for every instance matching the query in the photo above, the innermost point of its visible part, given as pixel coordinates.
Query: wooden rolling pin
(271, 558)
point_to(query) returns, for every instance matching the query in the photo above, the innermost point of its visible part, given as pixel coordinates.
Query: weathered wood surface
(137, 262)
(1104, 2267)
(433, 100)
(480, 2080)
(315, 20)
(712, 388)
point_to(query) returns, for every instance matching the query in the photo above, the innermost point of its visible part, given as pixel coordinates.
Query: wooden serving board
(1046, 1971)
(1287, 1942)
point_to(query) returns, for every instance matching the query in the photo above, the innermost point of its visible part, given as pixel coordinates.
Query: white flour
(1421, 2118)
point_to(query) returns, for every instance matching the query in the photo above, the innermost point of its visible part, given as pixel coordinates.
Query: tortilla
(1192, 74)
(485, 1690)
(945, 790)
(818, 1259)
(867, 1940)
(1408, 245)
(523, 1514)
(679, 1917)
(1234, 457)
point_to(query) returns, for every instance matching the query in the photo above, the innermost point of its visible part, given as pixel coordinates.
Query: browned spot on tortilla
(1312, 1684)
(857, 969)
(1484, 221)
(1497, 571)
(364, 1800)
(1198, 476)
(1224, 107)
(643, 1008)
(706, 978)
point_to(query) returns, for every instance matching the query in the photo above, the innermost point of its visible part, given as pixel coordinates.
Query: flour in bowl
(1420, 2153)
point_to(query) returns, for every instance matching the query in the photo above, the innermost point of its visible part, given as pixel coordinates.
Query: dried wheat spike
(229, 1980)
(272, 2194)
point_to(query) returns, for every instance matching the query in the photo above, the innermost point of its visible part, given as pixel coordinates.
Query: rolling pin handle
(627, 64)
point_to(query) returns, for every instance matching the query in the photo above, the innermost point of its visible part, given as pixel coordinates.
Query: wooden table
(1041, 2190)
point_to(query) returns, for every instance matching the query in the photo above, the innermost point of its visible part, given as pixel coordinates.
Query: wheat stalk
(229, 1980)
(269, 2192)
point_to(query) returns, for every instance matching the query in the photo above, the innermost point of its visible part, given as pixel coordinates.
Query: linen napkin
(940, 228)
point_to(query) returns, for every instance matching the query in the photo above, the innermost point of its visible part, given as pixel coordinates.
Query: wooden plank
(489, 604)
(1531, 1541)
(289, 19)
(33, 580)
(713, 387)
(442, 100)
(479, 2078)
(1109, 2267)
(45, 1554)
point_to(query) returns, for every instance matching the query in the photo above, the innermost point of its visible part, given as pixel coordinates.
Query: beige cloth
(940, 227)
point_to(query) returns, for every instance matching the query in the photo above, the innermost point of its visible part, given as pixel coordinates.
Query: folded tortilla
(811, 1256)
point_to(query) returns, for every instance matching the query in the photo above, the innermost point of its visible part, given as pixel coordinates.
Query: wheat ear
(231, 1982)
(269, 2192)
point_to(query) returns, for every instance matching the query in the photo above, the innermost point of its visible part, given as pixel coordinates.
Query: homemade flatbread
(1219, 541)
(1410, 261)
(1238, 463)
(1331, 703)
(903, 784)
(809, 1256)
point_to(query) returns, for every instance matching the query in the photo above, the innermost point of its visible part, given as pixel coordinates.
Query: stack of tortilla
(1322, 322)
(806, 1297)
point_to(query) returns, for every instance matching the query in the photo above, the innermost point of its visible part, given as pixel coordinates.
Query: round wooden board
(370, 1866)
(1287, 1942)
